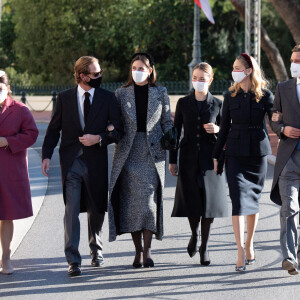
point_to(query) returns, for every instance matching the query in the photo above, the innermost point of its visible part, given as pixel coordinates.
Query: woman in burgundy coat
(17, 132)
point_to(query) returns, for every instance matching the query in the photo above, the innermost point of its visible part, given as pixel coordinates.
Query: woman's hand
(277, 116)
(215, 165)
(3, 142)
(211, 128)
(110, 127)
(173, 169)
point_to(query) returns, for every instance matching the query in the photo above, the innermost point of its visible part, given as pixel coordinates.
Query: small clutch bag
(169, 139)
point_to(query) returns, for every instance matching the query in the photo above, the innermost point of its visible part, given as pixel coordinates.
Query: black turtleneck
(141, 106)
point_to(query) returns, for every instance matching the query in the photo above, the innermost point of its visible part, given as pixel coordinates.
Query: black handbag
(221, 162)
(169, 139)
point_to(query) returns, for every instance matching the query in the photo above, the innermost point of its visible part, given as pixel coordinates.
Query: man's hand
(3, 142)
(89, 139)
(211, 128)
(173, 169)
(46, 166)
(291, 132)
(277, 116)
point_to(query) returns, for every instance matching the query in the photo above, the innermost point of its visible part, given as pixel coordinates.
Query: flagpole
(196, 44)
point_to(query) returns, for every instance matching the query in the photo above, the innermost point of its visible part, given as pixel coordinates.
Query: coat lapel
(74, 108)
(128, 103)
(153, 102)
(293, 93)
(9, 102)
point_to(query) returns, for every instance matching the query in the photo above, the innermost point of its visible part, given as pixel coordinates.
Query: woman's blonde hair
(205, 67)
(258, 81)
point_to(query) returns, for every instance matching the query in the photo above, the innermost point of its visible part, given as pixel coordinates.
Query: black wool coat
(65, 122)
(195, 161)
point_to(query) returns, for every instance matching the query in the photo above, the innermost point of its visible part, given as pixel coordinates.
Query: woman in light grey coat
(138, 171)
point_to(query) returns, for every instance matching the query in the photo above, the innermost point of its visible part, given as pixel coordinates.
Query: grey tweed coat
(158, 122)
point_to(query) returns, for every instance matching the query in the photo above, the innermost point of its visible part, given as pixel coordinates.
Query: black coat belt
(246, 126)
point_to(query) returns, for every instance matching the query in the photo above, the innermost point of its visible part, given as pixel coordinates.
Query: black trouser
(76, 178)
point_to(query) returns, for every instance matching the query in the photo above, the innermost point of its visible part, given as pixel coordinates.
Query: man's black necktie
(86, 105)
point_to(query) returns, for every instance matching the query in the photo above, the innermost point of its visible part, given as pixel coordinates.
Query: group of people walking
(232, 132)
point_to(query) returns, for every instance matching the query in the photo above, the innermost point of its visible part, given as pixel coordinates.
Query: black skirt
(246, 177)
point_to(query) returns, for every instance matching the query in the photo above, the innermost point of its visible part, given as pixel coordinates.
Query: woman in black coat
(200, 193)
(247, 147)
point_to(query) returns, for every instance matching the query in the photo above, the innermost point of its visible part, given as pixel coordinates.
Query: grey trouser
(289, 182)
(75, 179)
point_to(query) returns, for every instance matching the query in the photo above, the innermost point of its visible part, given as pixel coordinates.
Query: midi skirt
(139, 183)
(246, 178)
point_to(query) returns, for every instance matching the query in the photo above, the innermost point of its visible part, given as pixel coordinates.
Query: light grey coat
(158, 123)
(286, 102)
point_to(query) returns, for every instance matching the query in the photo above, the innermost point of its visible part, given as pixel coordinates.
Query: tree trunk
(289, 12)
(267, 45)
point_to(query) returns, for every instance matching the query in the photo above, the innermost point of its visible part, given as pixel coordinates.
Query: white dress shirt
(298, 88)
(81, 97)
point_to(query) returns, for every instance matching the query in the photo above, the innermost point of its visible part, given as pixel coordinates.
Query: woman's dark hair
(4, 79)
(145, 60)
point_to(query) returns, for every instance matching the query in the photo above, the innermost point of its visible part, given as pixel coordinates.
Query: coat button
(245, 96)
(198, 127)
(152, 144)
(198, 144)
(198, 118)
(197, 135)
(155, 157)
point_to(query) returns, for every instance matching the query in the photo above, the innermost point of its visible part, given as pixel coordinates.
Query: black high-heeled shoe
(204, 257)
(192, 246)
(149, 263)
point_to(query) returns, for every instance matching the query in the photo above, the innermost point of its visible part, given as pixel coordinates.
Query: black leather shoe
(149, 263)
(204, 257)
(192, 246)
(97, 261)
(74, 270)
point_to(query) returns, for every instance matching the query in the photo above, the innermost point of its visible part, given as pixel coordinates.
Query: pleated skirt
(138, 189)
(246, 178)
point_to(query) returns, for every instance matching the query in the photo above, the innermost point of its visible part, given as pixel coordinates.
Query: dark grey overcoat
(195, 161)
(286, 102)
(158, 122)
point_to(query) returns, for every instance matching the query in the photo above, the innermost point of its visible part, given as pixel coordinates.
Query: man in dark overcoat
(286, 182)
(81, 118)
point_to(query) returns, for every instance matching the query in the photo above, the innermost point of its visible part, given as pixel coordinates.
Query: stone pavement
(40, 267)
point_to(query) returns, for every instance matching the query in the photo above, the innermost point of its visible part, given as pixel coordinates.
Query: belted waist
(246, 126)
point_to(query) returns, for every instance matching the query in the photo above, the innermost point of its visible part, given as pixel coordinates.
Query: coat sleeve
(166, 120)
(224, 128)
(178, 120)
(53, 132)
(276, 126)
(27, 134)
(114, 119)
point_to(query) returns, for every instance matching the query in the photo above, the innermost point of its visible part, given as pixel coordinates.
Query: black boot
(137, 240)
(192, 246)
(205, 231)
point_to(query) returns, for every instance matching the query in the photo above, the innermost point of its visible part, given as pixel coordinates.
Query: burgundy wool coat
(18, 126)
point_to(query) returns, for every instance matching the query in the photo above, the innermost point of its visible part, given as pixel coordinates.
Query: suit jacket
(242, 125)
(65, 121)
(18, 126)
(196, 159)
(158, 122)
(286, 101)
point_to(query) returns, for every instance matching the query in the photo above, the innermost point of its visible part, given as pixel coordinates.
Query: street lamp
(196, 44)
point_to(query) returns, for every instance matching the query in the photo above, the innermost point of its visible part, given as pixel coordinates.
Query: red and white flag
(205, 6)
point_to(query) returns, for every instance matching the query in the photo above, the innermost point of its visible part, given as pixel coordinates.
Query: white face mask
(3, 95)
(238, 76)
(139, 76)
(295, 70)
(200, 86)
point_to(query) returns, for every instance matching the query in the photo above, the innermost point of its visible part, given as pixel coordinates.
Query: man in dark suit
(81, 116)
(286, 182)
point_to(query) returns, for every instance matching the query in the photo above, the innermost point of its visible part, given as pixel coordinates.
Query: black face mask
(94, 83)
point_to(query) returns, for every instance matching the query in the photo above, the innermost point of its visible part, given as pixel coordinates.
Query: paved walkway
(41, 268)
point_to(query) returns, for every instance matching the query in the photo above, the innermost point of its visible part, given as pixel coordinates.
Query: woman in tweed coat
(138, 171)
